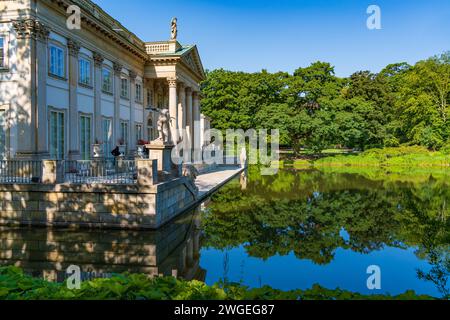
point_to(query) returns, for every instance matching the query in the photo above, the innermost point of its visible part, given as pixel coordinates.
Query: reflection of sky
(347, 271)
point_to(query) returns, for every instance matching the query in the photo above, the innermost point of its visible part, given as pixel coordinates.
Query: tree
(423, 100)
(314, 109)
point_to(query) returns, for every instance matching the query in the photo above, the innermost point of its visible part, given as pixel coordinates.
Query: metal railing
(20, 171)
(106, 171)
(109, 171)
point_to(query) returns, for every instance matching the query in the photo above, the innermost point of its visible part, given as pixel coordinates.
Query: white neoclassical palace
(63, 91)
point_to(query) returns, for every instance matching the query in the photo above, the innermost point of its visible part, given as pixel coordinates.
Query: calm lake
(288, 231)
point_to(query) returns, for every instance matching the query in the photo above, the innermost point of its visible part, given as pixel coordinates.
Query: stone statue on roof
(174, 29)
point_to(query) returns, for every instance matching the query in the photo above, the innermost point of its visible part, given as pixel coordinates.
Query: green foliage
(314, 109)
(414, 156)
(15, 285)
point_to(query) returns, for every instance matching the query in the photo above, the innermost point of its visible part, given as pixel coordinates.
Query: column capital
(181, 85)
(98, 59)
(74, 47)
(132, 75)
(31, 29)
(117, 68)
(172, 82)
(188, 90)
(195, 94)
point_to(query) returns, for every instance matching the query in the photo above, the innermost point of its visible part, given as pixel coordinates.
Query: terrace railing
(20, 171)
(109, 171)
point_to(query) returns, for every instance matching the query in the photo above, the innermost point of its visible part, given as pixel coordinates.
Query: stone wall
(121, 206)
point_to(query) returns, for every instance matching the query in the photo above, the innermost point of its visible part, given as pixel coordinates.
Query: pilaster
(73, 127)
(117, 90)
(132, 138)
(32, 36)
(98, 66)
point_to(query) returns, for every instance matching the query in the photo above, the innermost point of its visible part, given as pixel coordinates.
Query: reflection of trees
(306, 215)
(439, 272)
(310, 227)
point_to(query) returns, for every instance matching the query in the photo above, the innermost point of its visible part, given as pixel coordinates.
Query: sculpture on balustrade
(164, 127)
(190, 171)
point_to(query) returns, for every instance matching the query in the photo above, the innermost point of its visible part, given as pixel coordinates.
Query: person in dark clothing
(115, 152)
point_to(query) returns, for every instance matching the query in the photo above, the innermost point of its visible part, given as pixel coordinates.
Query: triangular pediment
(192, 59)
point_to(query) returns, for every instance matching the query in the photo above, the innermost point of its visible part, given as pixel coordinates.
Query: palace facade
(63, 92)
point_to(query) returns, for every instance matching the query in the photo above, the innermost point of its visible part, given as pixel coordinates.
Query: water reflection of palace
(173, 250)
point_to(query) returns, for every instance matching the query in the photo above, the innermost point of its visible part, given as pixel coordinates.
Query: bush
(446, 149)
(15, 285)
(405, 156)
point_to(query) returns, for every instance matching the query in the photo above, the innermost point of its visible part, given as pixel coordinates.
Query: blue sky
(283, 35)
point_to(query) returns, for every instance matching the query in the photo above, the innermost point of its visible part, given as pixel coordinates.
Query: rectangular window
(149, 98)
(138, 93)
(150, 129)
(2, 134)
(84, 71)
(138, 132)
(124, 132)
(57, 63)
(2, 52)
(107, 137)
(107, 80)
(85, 137)
(57, 135)
(124, 88)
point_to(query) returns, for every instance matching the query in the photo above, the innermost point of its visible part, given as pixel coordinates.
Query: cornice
(94, 17)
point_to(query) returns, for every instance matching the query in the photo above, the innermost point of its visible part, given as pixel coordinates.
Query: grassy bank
(15, 285)
(389, 157)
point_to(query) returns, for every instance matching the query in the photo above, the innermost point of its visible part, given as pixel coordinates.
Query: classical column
(74, 145)
(181, 109)
(190, 253)
(173, 109)
(117, 88)
(98, 66)
(197, 131)
(132, 138)
(189, 118)
(202, 129)
(32, 37)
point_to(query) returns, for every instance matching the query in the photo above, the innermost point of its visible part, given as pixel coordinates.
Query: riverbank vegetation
(402, 105)
(15, 285)
(394, 158)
